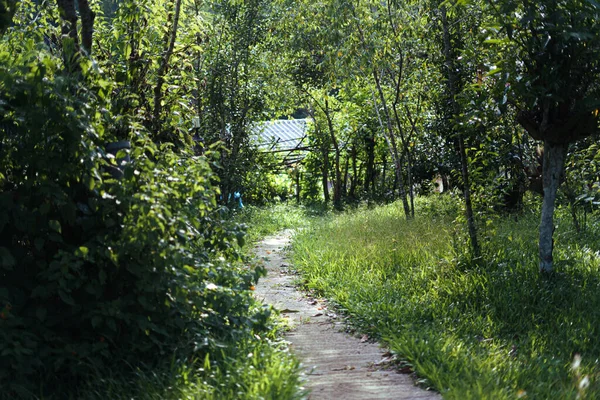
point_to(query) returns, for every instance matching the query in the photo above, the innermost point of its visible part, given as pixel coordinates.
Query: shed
(286, 136)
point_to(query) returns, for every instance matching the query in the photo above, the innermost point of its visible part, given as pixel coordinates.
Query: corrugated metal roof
(282, 134)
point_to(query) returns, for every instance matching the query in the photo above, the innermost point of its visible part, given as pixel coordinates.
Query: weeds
(263, 221)
(491, 328)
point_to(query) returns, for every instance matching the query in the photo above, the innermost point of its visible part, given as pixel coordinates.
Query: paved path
(337, 365)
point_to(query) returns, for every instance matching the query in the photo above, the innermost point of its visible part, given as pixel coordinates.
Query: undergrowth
(263, 221)
(255, 369)
(491, 328)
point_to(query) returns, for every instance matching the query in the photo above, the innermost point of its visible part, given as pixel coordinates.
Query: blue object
(238, 196)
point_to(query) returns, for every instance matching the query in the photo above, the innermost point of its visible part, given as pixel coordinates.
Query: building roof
(282, 134)
(286, 136)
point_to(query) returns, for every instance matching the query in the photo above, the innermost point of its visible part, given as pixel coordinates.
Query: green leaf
(66, 297)
(82, 252)
(55, 225)
(39, 292)
(91, 183)
(102, 276)
(3, 220)
(6, 259)
(496, 41)
(45, 208)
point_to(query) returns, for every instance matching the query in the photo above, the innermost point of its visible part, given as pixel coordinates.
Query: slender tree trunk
(297, 185)
(355, 175)
(87, 25)
(337, 186)
(572, 198)
(69, 15)
(391, 139)
(384, 174)
(452, 86)
(370, 170)
(345, 179)
(7, 12)
(325, 180)
(554, 162)
(405, 153)
(164, 65)
(70, 51)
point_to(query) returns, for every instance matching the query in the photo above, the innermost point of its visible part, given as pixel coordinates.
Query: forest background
(127, 126)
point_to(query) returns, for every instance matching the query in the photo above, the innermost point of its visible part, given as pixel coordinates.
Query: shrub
(98, 272)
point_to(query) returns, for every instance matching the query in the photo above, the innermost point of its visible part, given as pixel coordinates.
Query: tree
(72, 44)
(453, 87)
(551, 54)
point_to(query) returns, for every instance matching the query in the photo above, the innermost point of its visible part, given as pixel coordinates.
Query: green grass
(484, 329)
(257, 370)
(263, 221)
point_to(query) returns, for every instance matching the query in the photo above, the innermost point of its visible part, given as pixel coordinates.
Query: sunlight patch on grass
(488, 328)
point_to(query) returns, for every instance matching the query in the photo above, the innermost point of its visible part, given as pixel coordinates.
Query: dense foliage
(113, 260)
(128, 127)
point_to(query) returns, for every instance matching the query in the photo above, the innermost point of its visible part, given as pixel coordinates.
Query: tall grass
(492, 328)
(256, 370)
(263, 221)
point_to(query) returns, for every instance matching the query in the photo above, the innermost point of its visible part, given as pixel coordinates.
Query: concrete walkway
(337, 366)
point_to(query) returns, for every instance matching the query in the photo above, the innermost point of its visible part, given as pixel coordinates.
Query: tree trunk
(164, 65)
(68, 14)
(355, 175)
(384, 175)
(325, 151)
(345, 179)
(87, 25)
(337, 186)
(391, 139)
(7, 12)
(297, 185)
(369, 186)
(452, 80)
(554, 162)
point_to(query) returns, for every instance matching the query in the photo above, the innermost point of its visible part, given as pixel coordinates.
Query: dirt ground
(336, 364)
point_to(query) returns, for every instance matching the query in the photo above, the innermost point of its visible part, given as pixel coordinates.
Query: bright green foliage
(99, 274)
(493, 330)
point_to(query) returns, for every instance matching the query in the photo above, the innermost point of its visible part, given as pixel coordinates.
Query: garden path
(336, 365)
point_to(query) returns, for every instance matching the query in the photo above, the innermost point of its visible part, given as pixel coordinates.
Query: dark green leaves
(7, 261)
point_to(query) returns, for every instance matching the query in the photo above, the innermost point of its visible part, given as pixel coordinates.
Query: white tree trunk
(554, 162)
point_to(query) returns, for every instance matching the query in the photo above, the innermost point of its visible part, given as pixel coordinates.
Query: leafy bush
(98, 272)
(436, 206)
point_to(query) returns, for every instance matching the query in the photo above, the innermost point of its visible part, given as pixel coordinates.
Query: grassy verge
(263, 221)
(256, 370)
(489, 329)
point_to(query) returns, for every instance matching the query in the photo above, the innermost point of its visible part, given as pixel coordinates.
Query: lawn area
(491, 328)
